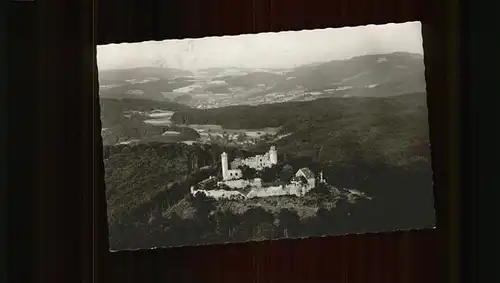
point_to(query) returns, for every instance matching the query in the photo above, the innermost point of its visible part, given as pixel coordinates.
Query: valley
(320, 110)
(393, 129)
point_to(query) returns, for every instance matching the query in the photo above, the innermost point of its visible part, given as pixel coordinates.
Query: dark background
(57, 206)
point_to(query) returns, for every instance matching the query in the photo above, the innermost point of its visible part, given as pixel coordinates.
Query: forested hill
(390, 129)
(292, 114)
(149, 204)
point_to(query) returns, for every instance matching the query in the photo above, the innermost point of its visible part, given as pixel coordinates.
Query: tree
(254, 220)
(289, 223)
(202, 203)
(241, 137)
(248, 172)
(286, 174)
(319, 150)
(227, 224)
(319, 225)
(269, 174)
(321, 190)
(266, 137)
(193, 161)
(201, 223)
(136, 126)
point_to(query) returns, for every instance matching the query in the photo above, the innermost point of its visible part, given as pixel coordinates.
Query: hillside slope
(392, 128)
(366, 76)
(387, 74)
(149, 205)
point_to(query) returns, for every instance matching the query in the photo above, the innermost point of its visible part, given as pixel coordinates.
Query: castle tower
(225, 167)
(273, 155)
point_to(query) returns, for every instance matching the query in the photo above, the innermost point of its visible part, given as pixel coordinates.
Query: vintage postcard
(265, 136)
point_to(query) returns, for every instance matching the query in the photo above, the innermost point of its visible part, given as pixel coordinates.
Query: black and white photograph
(267, 136)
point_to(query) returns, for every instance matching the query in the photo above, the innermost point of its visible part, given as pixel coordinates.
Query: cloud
(264, 50)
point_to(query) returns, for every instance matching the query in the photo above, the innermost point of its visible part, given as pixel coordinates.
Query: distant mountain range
(369, 76)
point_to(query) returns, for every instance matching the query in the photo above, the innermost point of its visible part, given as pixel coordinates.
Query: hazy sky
(264, 50)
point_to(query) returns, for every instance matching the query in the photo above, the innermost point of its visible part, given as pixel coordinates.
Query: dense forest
(149, 202)
(377, 130)
(391, 129)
